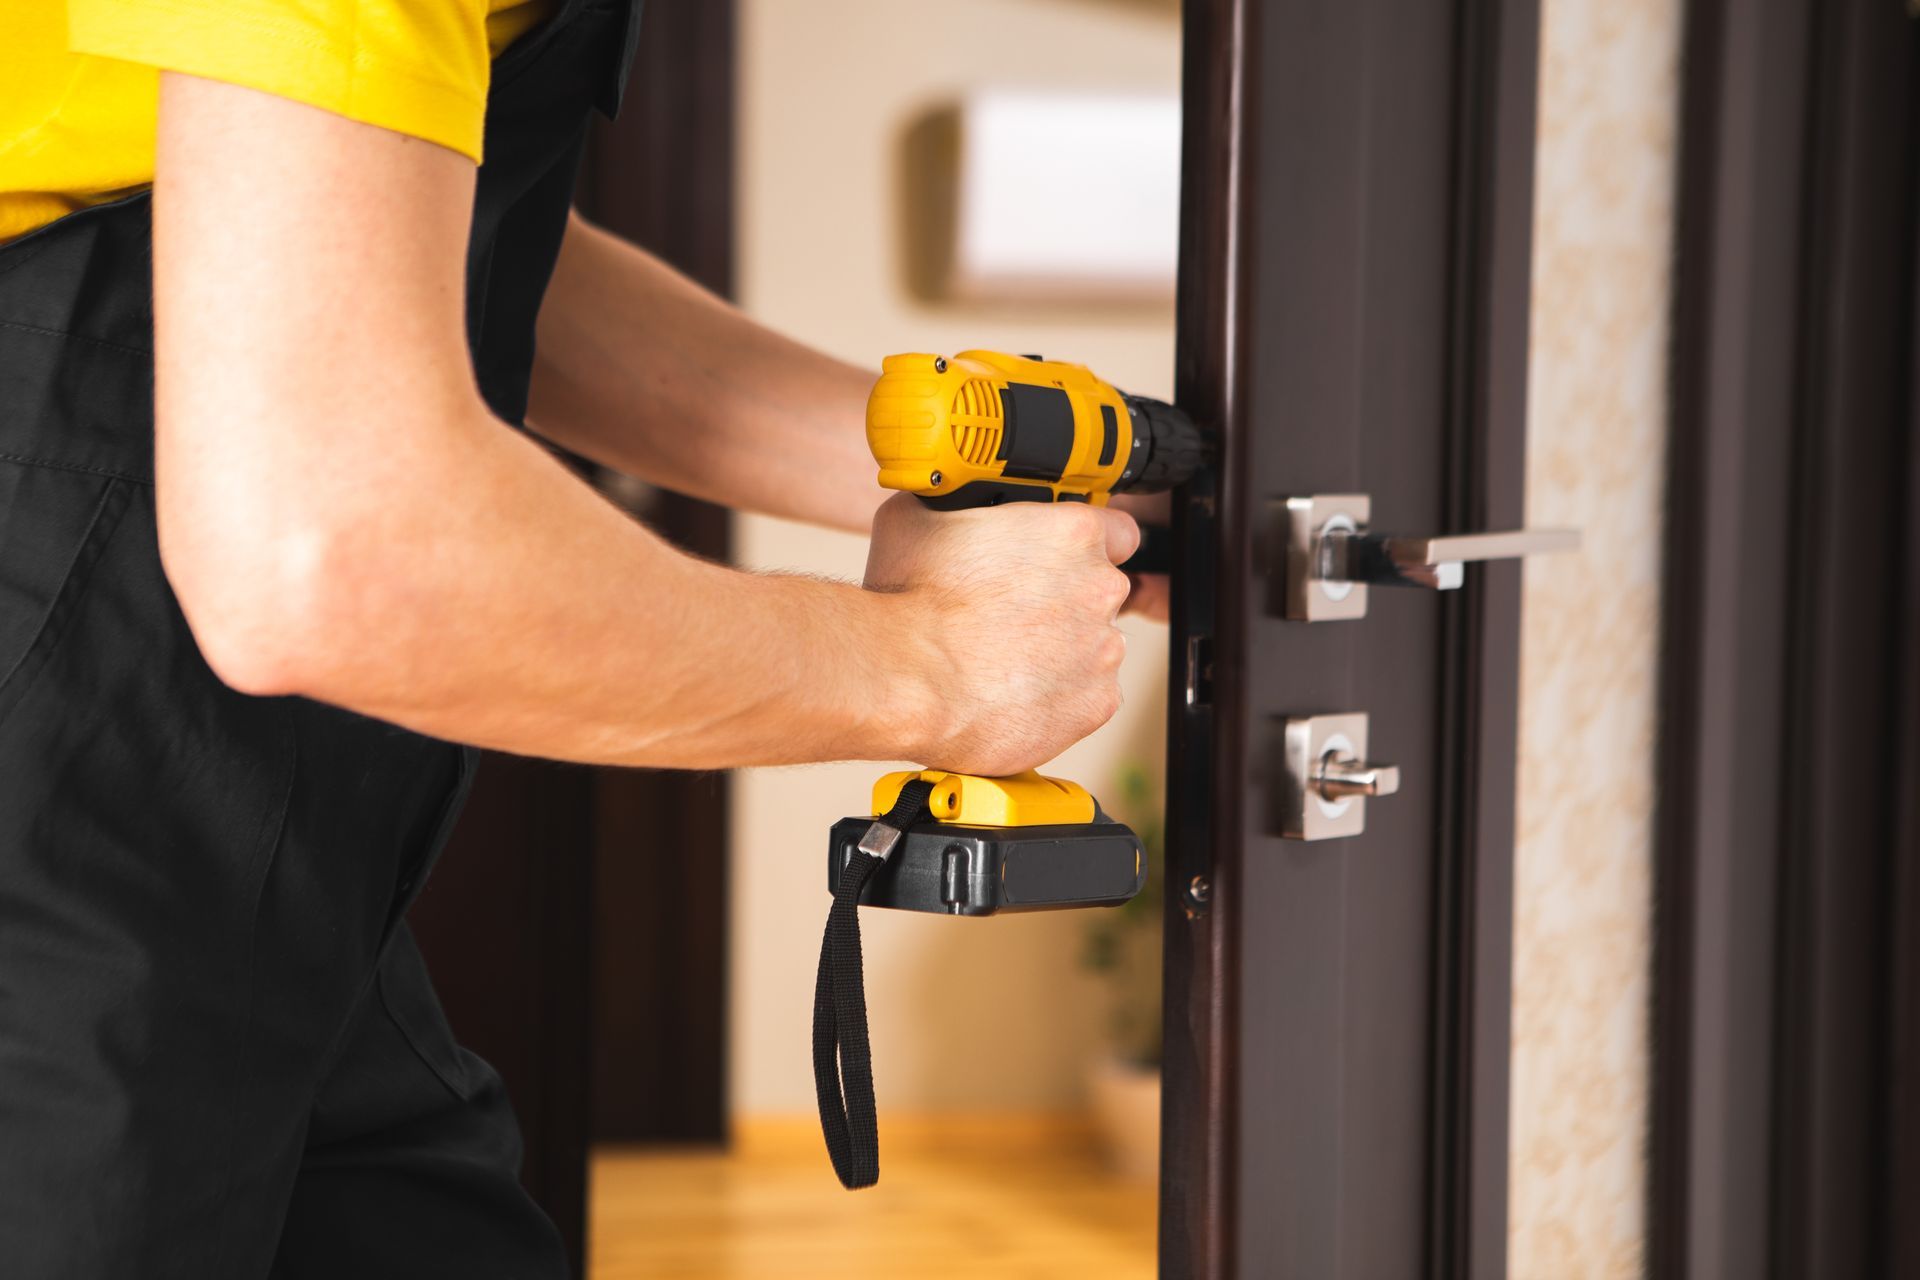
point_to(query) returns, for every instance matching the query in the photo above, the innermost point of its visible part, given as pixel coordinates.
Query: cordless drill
(978, 430)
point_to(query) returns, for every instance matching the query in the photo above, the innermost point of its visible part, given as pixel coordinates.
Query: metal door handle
(1331, 556)
(1440, 562)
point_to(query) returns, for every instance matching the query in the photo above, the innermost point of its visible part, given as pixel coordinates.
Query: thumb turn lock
(1328, 777)
(1343, 776)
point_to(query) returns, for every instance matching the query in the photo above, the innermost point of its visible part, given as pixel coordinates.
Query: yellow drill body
(984, 428)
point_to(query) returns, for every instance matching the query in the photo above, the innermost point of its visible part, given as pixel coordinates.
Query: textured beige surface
(1596, 440)
(966, 1014)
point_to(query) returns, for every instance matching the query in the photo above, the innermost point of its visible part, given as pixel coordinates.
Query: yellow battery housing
(1022, 800)
(999, 424)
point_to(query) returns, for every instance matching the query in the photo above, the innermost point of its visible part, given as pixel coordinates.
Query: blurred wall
(966, 1014)
(1596, 443)
(983, 1014)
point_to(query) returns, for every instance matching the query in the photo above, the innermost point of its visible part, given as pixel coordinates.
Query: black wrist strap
(842, 1058)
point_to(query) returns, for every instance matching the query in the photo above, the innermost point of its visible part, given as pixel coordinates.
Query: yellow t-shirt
(81, 79)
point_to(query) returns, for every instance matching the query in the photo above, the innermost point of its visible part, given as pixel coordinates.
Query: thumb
(1123, 535)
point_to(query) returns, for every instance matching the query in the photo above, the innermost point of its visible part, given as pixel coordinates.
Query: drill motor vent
(976, 421)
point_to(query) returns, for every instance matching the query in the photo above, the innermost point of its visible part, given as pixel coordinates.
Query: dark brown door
(1353, 319)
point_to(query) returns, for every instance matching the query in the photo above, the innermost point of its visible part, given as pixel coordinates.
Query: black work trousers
(219, 1052)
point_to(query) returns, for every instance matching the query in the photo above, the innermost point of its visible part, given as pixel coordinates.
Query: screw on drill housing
(939, 364)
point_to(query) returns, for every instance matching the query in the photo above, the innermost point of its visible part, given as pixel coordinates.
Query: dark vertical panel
(1496, 74)
(1354, 278)
(1847, 495)
(660, 958)
(662, 174)
(1898, 1156)
(1348, 331)
(1722, 717)
(662, 177)
(502, 924)
(1199, 1200)
(1785, 837)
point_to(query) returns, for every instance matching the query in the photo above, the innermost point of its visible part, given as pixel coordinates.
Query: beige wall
(1596, 452)
(966, 1014)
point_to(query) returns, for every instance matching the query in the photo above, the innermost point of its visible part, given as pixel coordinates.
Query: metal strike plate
(1327, 777)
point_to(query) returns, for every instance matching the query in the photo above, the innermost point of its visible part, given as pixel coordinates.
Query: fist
(1012, 614)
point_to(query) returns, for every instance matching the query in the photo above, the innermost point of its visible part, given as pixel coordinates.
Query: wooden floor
(1024, 1198)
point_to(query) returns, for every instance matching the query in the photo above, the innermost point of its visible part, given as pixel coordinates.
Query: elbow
(252, 652)
(244, 659)
(266, 610)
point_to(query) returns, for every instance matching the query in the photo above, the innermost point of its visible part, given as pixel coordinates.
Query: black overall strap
(842, 1059)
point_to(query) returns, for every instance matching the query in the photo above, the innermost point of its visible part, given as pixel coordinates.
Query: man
(269, 543)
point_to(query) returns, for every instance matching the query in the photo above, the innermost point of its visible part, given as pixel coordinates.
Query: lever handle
(1329, 554)
(1437, 562)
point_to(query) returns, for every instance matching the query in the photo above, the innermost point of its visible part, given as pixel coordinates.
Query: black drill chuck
(1171, 448)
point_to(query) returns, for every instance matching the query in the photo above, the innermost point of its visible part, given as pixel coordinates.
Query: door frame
(1787, 921)
(1219, 593)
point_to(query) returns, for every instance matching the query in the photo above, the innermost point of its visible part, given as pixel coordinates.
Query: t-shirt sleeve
(418, 67)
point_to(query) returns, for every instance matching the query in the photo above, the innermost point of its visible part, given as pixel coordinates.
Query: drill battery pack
(988, 845)
(950, 844)
(956, 870)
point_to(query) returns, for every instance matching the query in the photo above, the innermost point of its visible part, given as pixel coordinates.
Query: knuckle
(1094, 591)
(889, 514)
(1083, 523)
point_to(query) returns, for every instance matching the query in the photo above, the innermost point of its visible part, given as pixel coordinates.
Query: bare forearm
(340, 516)
(568, 631)
(645, 371)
